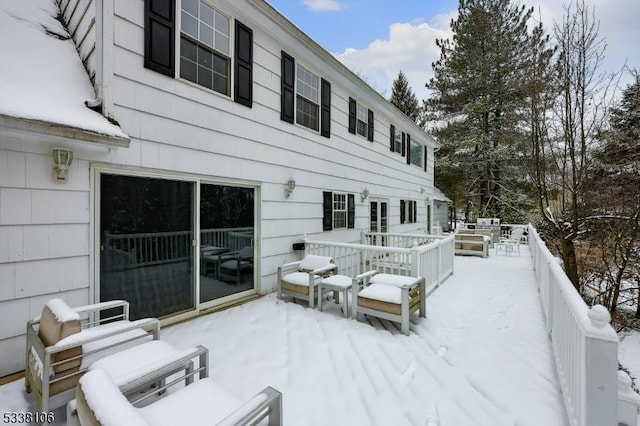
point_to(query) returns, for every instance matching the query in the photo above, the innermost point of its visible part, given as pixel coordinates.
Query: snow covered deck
(481, 357)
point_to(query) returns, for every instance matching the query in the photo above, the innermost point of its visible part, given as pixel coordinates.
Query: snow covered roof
(42, 78)
(439, 195)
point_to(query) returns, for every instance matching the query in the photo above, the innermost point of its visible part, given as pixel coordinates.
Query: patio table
(338, 284)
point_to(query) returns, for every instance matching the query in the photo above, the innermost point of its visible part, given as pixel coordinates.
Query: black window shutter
(159, 40)
(402, 212)
(287, 80)
(370, 125)
(352, 115)
(327, 210)
(425, 158)
(415, 211)
(392, 138)
(325, 97)
(243, 86)
(404, 143)
(351, 210)
(408, 148)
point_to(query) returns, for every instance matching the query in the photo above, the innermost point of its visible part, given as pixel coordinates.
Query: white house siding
(179, 129)
(44, 237)
(178, 126)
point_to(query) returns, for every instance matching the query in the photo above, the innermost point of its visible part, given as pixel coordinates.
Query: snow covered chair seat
(388, 296)
(100, 401)
(300, 279)
(63, 342)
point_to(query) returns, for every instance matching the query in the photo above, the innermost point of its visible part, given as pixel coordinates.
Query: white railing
(397, 240)
(584, 344)
(434, 260)
(143, 249)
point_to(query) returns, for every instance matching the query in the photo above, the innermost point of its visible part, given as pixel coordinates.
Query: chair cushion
(391, 279)
(312, 262)
(205, 402)
(58, 321)
(298, 278)
(382, 292)
(99, 401)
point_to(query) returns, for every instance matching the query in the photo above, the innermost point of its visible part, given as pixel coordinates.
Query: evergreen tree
(403, 97)
(478, 91)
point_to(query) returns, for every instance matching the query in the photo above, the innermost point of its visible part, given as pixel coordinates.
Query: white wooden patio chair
(100, 401)
(390, 297)
(512, 242)
(63, 342)
(300, 279)
(235, 264)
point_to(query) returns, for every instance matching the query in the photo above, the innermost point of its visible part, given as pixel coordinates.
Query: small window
(205, 46)
(408, 211)
(339, 210)
(416, 154)
(307, 91)
(397, 146)
(362, 120)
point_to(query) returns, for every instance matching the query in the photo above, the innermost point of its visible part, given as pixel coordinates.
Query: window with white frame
(397, 142)
(205, 46)
(339, 210)
(307, 98)
(362, 120)
(416, 154)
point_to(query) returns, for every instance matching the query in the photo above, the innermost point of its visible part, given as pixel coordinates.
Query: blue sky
(377, 38)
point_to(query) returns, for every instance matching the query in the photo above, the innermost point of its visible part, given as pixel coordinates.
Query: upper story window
(305, 98)
(360, 120)
(416, 154)
(307, 93)
(205, 54)
(204, 46)
(397, 142)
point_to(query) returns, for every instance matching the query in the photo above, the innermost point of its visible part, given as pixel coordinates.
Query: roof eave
(60, 130)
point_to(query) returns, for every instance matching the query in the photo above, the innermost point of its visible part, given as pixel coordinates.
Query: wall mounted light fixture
(364, 195)
(62, 159)
(289, 187)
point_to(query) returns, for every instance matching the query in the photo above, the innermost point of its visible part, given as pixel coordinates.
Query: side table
(336, 283)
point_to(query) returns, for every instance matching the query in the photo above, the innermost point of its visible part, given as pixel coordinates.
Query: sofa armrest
(414, 284)
(266, 404)
(97, 307)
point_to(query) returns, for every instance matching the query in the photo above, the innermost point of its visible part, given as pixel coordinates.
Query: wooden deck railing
(432, 260)
(585, 347)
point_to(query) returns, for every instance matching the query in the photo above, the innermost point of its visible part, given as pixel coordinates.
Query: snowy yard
(481, 357)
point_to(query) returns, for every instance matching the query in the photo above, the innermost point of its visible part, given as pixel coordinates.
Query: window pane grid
(200, 62)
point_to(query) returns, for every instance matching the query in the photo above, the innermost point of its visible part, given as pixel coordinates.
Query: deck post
(600, 369)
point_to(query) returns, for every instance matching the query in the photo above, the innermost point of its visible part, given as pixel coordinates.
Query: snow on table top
(42, 76)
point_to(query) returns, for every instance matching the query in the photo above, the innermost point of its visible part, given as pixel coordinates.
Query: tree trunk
(570, 262)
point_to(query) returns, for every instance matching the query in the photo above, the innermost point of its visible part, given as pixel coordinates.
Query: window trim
(334, 210)
(230, 57)
(408, 211)
(318, 102)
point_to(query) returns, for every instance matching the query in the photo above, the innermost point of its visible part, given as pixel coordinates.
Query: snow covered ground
(481, 357)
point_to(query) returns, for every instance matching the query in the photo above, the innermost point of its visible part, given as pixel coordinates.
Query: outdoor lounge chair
(63, 342)
(300, 279)
(234, 264)
(100, 401)
(387, 296)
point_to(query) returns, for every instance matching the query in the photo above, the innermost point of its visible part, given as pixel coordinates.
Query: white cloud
(322, 5)
(410, 47)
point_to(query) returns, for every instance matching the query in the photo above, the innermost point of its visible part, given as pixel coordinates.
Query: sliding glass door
(147, 243)
(226, 240)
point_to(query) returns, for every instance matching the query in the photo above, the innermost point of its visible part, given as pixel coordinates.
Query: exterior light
(289, 187)
(364, 195)
(62, 159)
